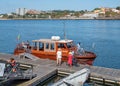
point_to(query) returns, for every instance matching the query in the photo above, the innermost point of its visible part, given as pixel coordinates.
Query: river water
(100, 36)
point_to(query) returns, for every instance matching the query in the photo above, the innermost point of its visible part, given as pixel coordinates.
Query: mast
(64, 31)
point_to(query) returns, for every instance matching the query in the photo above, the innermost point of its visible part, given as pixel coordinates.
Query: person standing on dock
(59, 56)
(70, 56)
(78, 47)
(24, 45)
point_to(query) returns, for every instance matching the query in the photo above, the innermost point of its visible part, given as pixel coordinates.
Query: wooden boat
(76, 79)
(47, 48)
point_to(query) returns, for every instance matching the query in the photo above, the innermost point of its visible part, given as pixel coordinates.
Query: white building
(1, 16)
(90, 15)
(115, 10)
(21, 11)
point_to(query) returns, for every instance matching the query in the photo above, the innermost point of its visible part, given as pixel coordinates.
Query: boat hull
(86, 58)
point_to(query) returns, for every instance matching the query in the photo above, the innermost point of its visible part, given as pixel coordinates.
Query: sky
(8, 6)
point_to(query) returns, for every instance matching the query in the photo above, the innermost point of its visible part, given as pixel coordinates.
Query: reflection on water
(12, 82)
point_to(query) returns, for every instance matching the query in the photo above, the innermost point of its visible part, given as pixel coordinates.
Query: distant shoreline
(105, 18)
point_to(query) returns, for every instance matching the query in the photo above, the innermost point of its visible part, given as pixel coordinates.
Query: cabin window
(69, 45)
(60, 45)
(52, 46)
(35, 45)
(41, 46)
(47, 45)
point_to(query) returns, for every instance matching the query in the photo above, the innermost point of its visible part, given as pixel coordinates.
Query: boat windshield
(69, 44)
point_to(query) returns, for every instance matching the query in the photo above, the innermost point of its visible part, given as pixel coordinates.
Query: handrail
(11, 71)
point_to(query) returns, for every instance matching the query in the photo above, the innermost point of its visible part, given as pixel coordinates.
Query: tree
(97, 9)
(118, 8)
(5, 16)
(108, 14)
(82, 12)
(10, 16)
(77, 14)
(13, 13)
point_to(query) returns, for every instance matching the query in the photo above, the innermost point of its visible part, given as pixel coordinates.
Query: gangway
(28, 55)
(23, 72)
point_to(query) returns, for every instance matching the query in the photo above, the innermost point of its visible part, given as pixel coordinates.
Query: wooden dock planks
(43, 74)
(46, 67)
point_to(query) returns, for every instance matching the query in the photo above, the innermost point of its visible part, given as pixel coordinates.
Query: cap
(70, 52)
(59, 48)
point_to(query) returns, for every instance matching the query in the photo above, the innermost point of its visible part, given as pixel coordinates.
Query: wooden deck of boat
(45, 68)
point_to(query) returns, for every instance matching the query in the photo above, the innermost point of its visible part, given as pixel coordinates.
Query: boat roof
(50, 40)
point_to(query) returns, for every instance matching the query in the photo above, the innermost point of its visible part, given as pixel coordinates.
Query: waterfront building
(102, 10)
(1, 16)
(21, 11)
(33, 12)
(115, 10)
(90, 15)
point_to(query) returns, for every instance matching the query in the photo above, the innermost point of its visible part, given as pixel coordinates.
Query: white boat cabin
(51, 44)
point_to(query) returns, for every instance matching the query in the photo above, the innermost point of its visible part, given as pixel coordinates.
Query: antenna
(64, 31)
